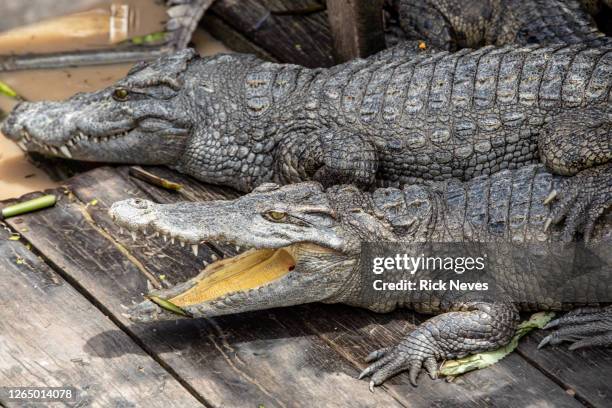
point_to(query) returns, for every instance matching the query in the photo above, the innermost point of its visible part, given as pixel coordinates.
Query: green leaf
(152, 38)
(8, 91)
(169, 306)
(482, 360)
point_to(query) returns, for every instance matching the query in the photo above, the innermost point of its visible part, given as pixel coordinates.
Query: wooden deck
(66, 282)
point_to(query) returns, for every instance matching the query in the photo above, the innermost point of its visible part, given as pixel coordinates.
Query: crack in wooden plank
(557, 380)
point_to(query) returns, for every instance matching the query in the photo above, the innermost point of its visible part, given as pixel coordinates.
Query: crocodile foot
(412, 354)
(472, 328)
(583, 199)
(583, 327)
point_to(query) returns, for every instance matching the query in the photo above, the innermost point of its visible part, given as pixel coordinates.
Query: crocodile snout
(12, 126)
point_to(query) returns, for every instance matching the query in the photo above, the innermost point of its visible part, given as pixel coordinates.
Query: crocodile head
(144, 117)
(300, 248)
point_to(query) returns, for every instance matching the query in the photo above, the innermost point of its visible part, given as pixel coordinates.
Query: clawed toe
(587, 327)
(390, 361)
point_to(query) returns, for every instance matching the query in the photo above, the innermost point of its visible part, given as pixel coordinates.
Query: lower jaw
(241, 273)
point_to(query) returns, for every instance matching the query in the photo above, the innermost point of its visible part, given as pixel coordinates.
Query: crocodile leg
(329, 157)
(584, 327)
(583, 199)
(471, 328)
(576, 141)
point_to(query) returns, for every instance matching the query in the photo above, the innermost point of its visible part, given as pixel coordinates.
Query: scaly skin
(455, 24)
(400, 117)
(324, 229)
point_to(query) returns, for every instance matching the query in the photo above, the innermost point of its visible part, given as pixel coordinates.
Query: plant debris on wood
(8, 91)
(482, 360)
(35, 204)
(153, 38)
(140, 173)
(169, 306)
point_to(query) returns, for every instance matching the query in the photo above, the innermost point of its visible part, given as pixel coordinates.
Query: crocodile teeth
(182, 244)
(238, 249)
(133, 236)
(65, 151)
(22, 145)
(194, 248)
(172, 240)
(156, 234)
(54, 151)
(70, 143)
(121, 230)
(165, 238)
(214, 257)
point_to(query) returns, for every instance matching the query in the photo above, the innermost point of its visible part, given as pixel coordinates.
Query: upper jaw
(68, 147)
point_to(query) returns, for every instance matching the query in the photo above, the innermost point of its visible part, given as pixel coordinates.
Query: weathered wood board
(357, 28)
(295, 31)
(583, 372)
(296, 356)
(46, 332)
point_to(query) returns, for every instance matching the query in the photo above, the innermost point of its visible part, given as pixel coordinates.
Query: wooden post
(357, 28)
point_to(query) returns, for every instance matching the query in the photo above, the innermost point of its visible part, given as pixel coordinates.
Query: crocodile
(302, 244)
(455, 24)
(403, 116)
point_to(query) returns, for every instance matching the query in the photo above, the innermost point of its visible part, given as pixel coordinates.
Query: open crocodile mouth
(66, 148)
(249, 270)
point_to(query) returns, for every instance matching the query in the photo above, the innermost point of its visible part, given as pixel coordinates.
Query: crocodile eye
(120, 94)
(276, 215)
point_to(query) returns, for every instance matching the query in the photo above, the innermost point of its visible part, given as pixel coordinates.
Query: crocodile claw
(586, 327)
(390, 361)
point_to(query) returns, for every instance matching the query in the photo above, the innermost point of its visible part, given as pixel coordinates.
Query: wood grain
(46, 328)
(282, 28)
(585, 372)
(357, 28)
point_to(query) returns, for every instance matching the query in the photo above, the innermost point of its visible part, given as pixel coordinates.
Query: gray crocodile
(455, 24)
(403, 116)
(306, 244)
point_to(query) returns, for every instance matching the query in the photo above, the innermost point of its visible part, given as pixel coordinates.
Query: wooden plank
(232, 38)
(228, 364)
(357, 28)
(294, 31)
(51, 336)
(584, 372)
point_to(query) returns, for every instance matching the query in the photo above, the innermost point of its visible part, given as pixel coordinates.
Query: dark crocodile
(308, 241)
(455, 24)
(400, 117)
